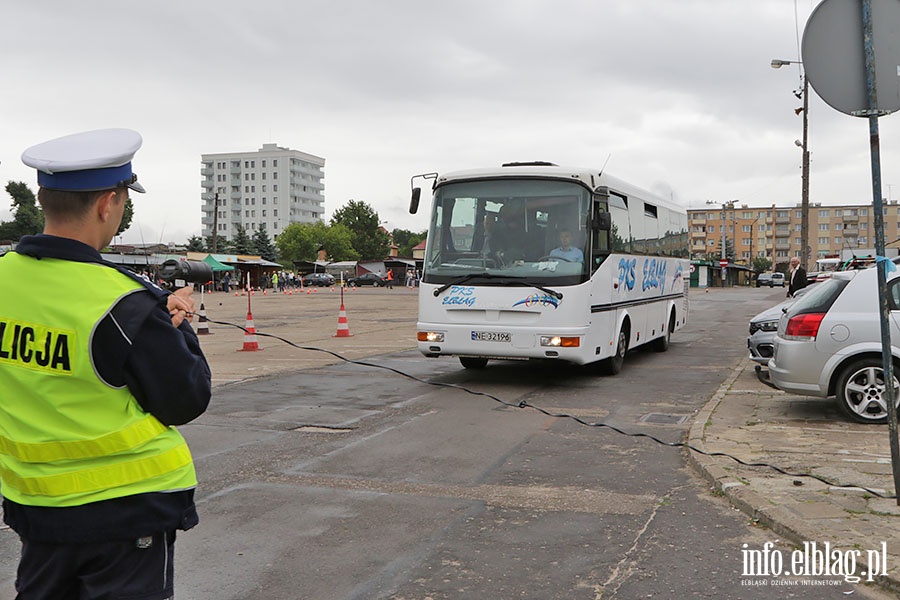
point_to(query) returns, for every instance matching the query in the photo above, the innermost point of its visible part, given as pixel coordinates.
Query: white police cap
(86, 162)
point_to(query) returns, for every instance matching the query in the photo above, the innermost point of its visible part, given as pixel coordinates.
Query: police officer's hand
(181, 305)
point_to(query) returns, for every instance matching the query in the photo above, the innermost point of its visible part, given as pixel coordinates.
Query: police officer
(97, 367)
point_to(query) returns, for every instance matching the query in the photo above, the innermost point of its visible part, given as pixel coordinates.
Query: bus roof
(590, 178)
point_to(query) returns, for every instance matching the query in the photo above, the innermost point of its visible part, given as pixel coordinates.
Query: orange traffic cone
(203, 324)
(250, 343)
(343, 329)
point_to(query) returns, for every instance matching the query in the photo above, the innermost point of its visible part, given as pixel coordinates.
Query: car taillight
(803, 327)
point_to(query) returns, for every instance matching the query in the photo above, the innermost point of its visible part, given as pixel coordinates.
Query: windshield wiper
(508, 280)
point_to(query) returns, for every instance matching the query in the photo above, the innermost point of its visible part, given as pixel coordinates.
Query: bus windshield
(532, 229)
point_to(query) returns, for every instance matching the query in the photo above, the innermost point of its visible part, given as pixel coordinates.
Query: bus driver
(565, 250)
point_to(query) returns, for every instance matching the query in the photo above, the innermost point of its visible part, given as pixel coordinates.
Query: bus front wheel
(472, 362)
(613, 364)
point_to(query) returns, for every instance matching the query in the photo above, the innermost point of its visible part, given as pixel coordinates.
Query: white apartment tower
(272, 188)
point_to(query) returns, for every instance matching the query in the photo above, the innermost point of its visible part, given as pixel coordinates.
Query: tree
(242, 244)
(301, 241)
(223, 246)
(127, 216)
(761, 265)
(263, 246)
(195, 244)
(27, 216)
(729, 249)
(369, 240)
(407, 240)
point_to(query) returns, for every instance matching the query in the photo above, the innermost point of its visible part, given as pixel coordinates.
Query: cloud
(678, 97)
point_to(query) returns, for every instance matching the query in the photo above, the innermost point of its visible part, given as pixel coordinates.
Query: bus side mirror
(414, 201)
(602, 221)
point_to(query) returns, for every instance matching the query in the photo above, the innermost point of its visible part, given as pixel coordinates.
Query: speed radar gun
(179, 273)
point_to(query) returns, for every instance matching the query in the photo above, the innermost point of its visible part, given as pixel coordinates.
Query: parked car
(761, 341)
(373, 279)
(319, 279)
(770, 279)
(829, 344)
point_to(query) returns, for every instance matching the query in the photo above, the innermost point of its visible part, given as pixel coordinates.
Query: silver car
(761, 341)
(829, 344)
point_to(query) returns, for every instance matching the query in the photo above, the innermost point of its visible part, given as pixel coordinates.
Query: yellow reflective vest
(68, 438)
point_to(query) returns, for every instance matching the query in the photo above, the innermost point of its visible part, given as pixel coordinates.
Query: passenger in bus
(507, 235)
(566, 250)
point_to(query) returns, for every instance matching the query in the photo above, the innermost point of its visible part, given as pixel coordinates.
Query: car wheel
(860, 391)
(613, 364)
(472, 362)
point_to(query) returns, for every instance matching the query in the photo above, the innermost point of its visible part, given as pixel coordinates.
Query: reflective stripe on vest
(131, 437)
(98, 478)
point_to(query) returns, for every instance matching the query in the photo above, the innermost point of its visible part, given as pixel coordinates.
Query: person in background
(96, 479)
(797, 275)
(390, 279)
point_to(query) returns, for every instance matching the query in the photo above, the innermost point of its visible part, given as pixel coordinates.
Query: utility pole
(215, 235)
(804, 145)
(724, 259)
(723, 262)
(774, 251)
(804, 194)
(753, 235)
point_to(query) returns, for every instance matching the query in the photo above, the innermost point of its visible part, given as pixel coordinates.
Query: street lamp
(804, 194)
(752, 235)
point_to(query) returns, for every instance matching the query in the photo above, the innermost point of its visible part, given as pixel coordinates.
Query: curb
(739, 495)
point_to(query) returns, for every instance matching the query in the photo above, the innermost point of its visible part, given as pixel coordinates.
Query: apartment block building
(271, 187)
(774, 232)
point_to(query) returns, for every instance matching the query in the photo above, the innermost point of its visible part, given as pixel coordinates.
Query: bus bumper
(497, 343)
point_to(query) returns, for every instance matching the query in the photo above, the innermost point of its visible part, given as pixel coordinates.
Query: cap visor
(137, 187)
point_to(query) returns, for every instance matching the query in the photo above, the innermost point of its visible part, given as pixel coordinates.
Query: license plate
(490, 336)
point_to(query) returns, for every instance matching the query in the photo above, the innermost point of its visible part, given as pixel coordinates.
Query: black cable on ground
(525, 404)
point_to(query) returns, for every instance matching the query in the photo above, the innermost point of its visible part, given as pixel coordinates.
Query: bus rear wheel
(661, 344)
(472, 362)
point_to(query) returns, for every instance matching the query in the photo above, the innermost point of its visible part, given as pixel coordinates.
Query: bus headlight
(556, 341)
(430, 336)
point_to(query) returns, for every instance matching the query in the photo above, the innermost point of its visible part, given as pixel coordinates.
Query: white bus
(538, 261)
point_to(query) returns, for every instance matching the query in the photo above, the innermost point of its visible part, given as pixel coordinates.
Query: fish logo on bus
(678, 278)
(539, 300)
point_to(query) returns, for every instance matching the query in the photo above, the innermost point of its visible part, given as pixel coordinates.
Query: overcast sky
(676, 96)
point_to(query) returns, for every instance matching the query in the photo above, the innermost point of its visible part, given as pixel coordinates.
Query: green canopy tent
(217, 269)
(215, 265)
